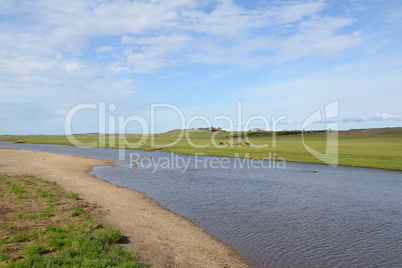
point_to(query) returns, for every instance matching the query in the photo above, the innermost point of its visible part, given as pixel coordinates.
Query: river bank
(159, 237)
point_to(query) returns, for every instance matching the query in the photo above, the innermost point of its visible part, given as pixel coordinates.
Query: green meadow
(375, 148)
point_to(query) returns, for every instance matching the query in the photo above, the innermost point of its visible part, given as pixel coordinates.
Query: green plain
(375, 148)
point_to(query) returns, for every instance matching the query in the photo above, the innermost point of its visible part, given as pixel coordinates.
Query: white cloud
(376, 117)
(73, 67)
(104, 49)
(292, 12)
(157, 34)
(318, 36)
(375, 48)
(113, 87)
(222, 19)
(385, 116)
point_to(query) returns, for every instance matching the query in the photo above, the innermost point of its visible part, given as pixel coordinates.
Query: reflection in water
(275, 217)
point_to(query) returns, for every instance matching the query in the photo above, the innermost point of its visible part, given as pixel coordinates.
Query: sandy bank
(159, 238)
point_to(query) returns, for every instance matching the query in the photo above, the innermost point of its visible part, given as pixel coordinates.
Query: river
(275, 214)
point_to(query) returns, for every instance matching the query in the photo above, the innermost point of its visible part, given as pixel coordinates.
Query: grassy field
(377, 148)
(42, 226)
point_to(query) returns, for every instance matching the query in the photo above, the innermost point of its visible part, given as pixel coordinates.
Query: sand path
(159, 237)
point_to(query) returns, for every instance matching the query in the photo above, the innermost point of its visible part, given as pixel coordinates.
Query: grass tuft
(44, 213)
(4, 257)
(44, 194)
(29, 182)
(54, 229)
(73, 196)
(34, 250)
(21, 237)
(76, 211)
(16, 189)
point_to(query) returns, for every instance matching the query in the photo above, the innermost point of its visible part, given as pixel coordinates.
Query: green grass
(44, 194)
(21, 237)
(73, 196)
(44, 213)
(16, 189)
(34, 250)
(4, 257)
(76, 211)
(30, 236)
(381, 149)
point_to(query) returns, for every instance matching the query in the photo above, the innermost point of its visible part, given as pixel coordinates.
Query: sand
(158, 237)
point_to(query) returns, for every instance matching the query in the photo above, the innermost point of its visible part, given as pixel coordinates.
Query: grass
(36, 233)
(76, 211)
(16, 189)
(73, 196)
(376, 148)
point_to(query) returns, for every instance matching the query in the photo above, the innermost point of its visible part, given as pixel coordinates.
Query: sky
(144, 66)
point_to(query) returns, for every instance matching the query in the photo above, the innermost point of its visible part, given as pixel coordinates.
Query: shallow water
(274, 217)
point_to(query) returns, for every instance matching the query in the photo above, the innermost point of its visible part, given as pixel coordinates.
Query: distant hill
(353, 132)
(372, 131)
(192, 132)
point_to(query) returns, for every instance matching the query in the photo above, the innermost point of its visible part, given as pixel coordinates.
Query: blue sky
(206, 58)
